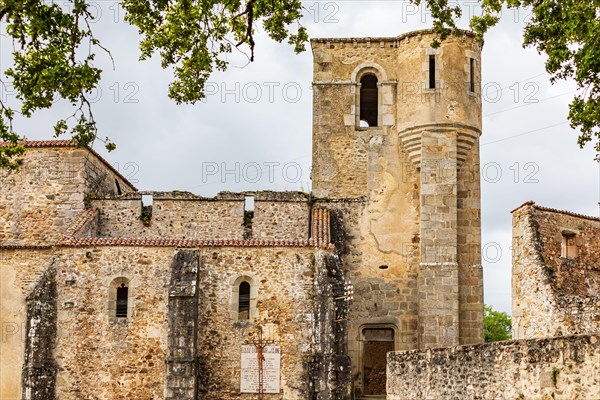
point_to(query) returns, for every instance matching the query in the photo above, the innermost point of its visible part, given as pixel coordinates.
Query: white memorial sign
(271, 369)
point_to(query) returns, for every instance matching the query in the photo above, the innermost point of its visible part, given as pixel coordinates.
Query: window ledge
(563, 258)
(244, 323)
(118, 320)
(368, 128)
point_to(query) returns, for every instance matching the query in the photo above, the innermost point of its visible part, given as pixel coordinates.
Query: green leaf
(497, 325)
(55, 49)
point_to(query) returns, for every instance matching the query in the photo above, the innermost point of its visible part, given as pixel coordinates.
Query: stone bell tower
(396, 127)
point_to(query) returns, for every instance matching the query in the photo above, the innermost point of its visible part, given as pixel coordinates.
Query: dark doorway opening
(377, 342)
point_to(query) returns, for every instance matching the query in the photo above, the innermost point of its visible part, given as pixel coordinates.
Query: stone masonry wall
(39, 201)
(373, 178)
(100, 180)
(182, 361)
(470, 270)
(100, 356)
(276, 219)
(103, 357)
(190, 219)
(561, 368)
(188, 216)
(554, 295)
(281, 307)
(385, 298)
(21, 271)
(39, 367)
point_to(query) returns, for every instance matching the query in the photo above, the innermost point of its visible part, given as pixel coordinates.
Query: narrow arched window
(244, 301)
(122, 297)
(369, 99)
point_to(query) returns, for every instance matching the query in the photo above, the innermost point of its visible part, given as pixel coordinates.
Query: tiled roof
(320, 226)
(43, 143)
(68, 143)
(172, 242)
(527, 203)
(80, 223)
(541, 208)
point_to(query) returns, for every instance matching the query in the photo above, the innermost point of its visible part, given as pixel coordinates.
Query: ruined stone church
(342, 293)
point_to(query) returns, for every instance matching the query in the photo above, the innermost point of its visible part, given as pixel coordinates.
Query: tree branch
(248, 37)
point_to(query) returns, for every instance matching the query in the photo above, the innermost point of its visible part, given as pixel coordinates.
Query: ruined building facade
(556, 273)
(555, 351)
(107, 294)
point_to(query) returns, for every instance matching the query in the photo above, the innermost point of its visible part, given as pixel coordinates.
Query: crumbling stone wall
(39, 367)
(552, 294)
(101, 179)
(151, 353)
(184, 215)
(182, 361)
(282, 215)
(194, 218)
(329, 368)
(40, 200)
(562, 368)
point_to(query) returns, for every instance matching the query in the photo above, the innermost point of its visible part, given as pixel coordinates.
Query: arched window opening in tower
(369, 99)
(244, 301)
(122, 298)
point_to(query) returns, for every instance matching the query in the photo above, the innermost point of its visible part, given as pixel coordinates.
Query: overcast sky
(260, 116)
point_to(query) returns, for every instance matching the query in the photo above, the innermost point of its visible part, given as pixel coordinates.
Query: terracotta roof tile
(189, 243)
(24, 246)
(320, 226)
(81, 222)
(43, 143)
(527, 203)
(541, 208)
